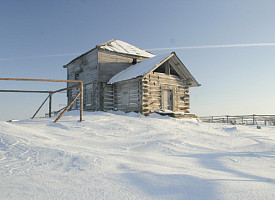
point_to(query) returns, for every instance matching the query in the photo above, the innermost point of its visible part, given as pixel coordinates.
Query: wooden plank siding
(154, 83)
(85, 68)
(127, 95)
(165, 87)
(111, 63)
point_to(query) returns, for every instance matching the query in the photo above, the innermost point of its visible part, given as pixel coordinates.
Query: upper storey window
(167, 69)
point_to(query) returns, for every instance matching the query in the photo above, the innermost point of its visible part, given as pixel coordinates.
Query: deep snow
(112, 155)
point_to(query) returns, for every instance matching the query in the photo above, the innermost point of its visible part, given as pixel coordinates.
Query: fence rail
(241, 119)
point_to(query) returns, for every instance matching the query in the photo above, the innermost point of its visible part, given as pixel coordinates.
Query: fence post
(227, 121)
(67, 108)
(50, 105)
(81, 102)
(253, 119)
(40, 107)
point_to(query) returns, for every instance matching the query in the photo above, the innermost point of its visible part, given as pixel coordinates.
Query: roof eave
(159, 64)
(111, 83)
(65, 66)
(124, 53)
(193, 81)
(98, 47)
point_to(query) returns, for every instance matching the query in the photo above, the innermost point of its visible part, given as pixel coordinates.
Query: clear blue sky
(235, 80)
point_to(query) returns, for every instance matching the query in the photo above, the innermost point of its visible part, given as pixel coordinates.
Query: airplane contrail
(155, 49)
(47, 56)
(217, 46)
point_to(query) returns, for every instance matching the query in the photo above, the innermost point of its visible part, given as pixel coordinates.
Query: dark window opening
(76, 77)
(173, 71)
(167, 69)
(134, 61)
(160, 69)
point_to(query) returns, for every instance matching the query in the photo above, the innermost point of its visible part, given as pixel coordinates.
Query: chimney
(134, 61)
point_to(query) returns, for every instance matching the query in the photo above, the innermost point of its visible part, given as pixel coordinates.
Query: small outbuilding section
(120, 76)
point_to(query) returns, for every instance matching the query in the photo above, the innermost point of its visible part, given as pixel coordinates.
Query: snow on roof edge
(139, 69)
(146, 54)
(120, 46)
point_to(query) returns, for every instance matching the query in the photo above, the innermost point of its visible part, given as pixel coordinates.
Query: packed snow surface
(112, 155)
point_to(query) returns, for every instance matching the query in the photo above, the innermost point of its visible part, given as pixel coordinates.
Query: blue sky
(38, 37)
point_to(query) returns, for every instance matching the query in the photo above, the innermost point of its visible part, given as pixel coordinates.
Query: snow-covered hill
(112, 155)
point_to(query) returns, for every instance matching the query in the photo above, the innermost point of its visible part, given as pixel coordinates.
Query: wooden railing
(78, 83)
(241, 119)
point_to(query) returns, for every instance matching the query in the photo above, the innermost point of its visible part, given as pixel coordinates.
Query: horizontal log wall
(128, 95)
(95, 69)
(152, 86)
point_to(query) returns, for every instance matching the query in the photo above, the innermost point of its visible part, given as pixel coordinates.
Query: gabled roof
(119, 47)
(123, 47)
(144, 67)
(139, 69)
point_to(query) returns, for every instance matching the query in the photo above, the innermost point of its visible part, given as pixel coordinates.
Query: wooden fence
(241, 119)
(78, 83)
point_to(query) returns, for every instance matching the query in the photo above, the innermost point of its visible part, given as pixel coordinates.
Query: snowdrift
(113, 155)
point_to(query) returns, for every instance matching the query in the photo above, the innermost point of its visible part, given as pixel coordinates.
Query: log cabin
(120, 76)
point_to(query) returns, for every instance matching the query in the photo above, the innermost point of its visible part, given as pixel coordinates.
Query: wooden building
(120, 76)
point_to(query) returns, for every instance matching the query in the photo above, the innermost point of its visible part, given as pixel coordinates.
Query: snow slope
(112, 155)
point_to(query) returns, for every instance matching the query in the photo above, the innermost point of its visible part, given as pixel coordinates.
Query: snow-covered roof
(139, 69)
(123, 47)
(120, 47)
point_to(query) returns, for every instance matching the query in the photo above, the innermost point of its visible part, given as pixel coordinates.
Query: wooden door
(167, 100)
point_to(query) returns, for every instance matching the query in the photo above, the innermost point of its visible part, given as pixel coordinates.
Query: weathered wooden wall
(108, 97)
(126, 96)
(85, 68)
(143, 95)
(153, 85)
(96, 68)
(111, 63)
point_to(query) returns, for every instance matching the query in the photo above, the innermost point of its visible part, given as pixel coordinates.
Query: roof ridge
(105, 43)
(120, 46)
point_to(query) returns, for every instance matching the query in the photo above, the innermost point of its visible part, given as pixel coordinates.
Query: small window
(160, 69)
(76, 76)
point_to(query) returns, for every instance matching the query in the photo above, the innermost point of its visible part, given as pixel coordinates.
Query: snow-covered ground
(112, 155)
